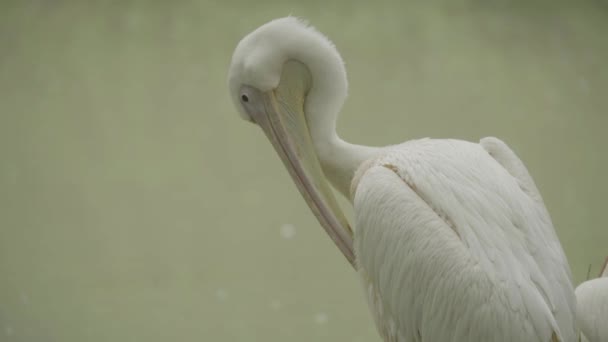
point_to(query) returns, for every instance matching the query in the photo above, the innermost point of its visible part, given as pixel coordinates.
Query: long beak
(283, 121)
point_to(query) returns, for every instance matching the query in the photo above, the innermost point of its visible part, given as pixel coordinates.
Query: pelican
(592, 307)
(451, 238)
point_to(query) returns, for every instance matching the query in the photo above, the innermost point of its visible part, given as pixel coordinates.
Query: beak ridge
(283, 121)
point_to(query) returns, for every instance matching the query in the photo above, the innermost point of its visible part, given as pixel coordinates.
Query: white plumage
(452, 239)
(470, 247)
(592, 307)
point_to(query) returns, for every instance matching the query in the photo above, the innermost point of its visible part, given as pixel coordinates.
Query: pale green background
(136, 206)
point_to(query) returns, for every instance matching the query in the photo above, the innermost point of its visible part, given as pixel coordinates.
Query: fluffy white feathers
(592, 307)
(474, 255)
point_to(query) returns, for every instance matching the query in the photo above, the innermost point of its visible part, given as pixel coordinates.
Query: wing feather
(451, 247)
(592, 296)
(509, 160)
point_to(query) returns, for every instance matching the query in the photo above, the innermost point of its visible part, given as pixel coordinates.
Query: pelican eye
(244, 98)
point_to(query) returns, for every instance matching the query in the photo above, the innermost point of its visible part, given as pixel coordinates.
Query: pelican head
(289, 79)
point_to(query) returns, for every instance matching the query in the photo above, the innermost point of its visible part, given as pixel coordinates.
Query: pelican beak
(280, 114)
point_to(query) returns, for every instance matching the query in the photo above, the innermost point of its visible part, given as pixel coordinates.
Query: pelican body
(451, 238)
(592, 307)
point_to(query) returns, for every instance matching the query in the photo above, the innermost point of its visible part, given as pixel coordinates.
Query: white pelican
(452, 239)
(592, 307)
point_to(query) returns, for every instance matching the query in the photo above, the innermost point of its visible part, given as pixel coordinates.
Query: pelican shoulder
(453, 222)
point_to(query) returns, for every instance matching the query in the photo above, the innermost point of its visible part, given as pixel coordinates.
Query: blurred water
(136, 205)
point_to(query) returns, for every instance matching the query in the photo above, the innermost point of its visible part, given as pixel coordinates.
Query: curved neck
(324, 101)
(339, 159)
(285, 39)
